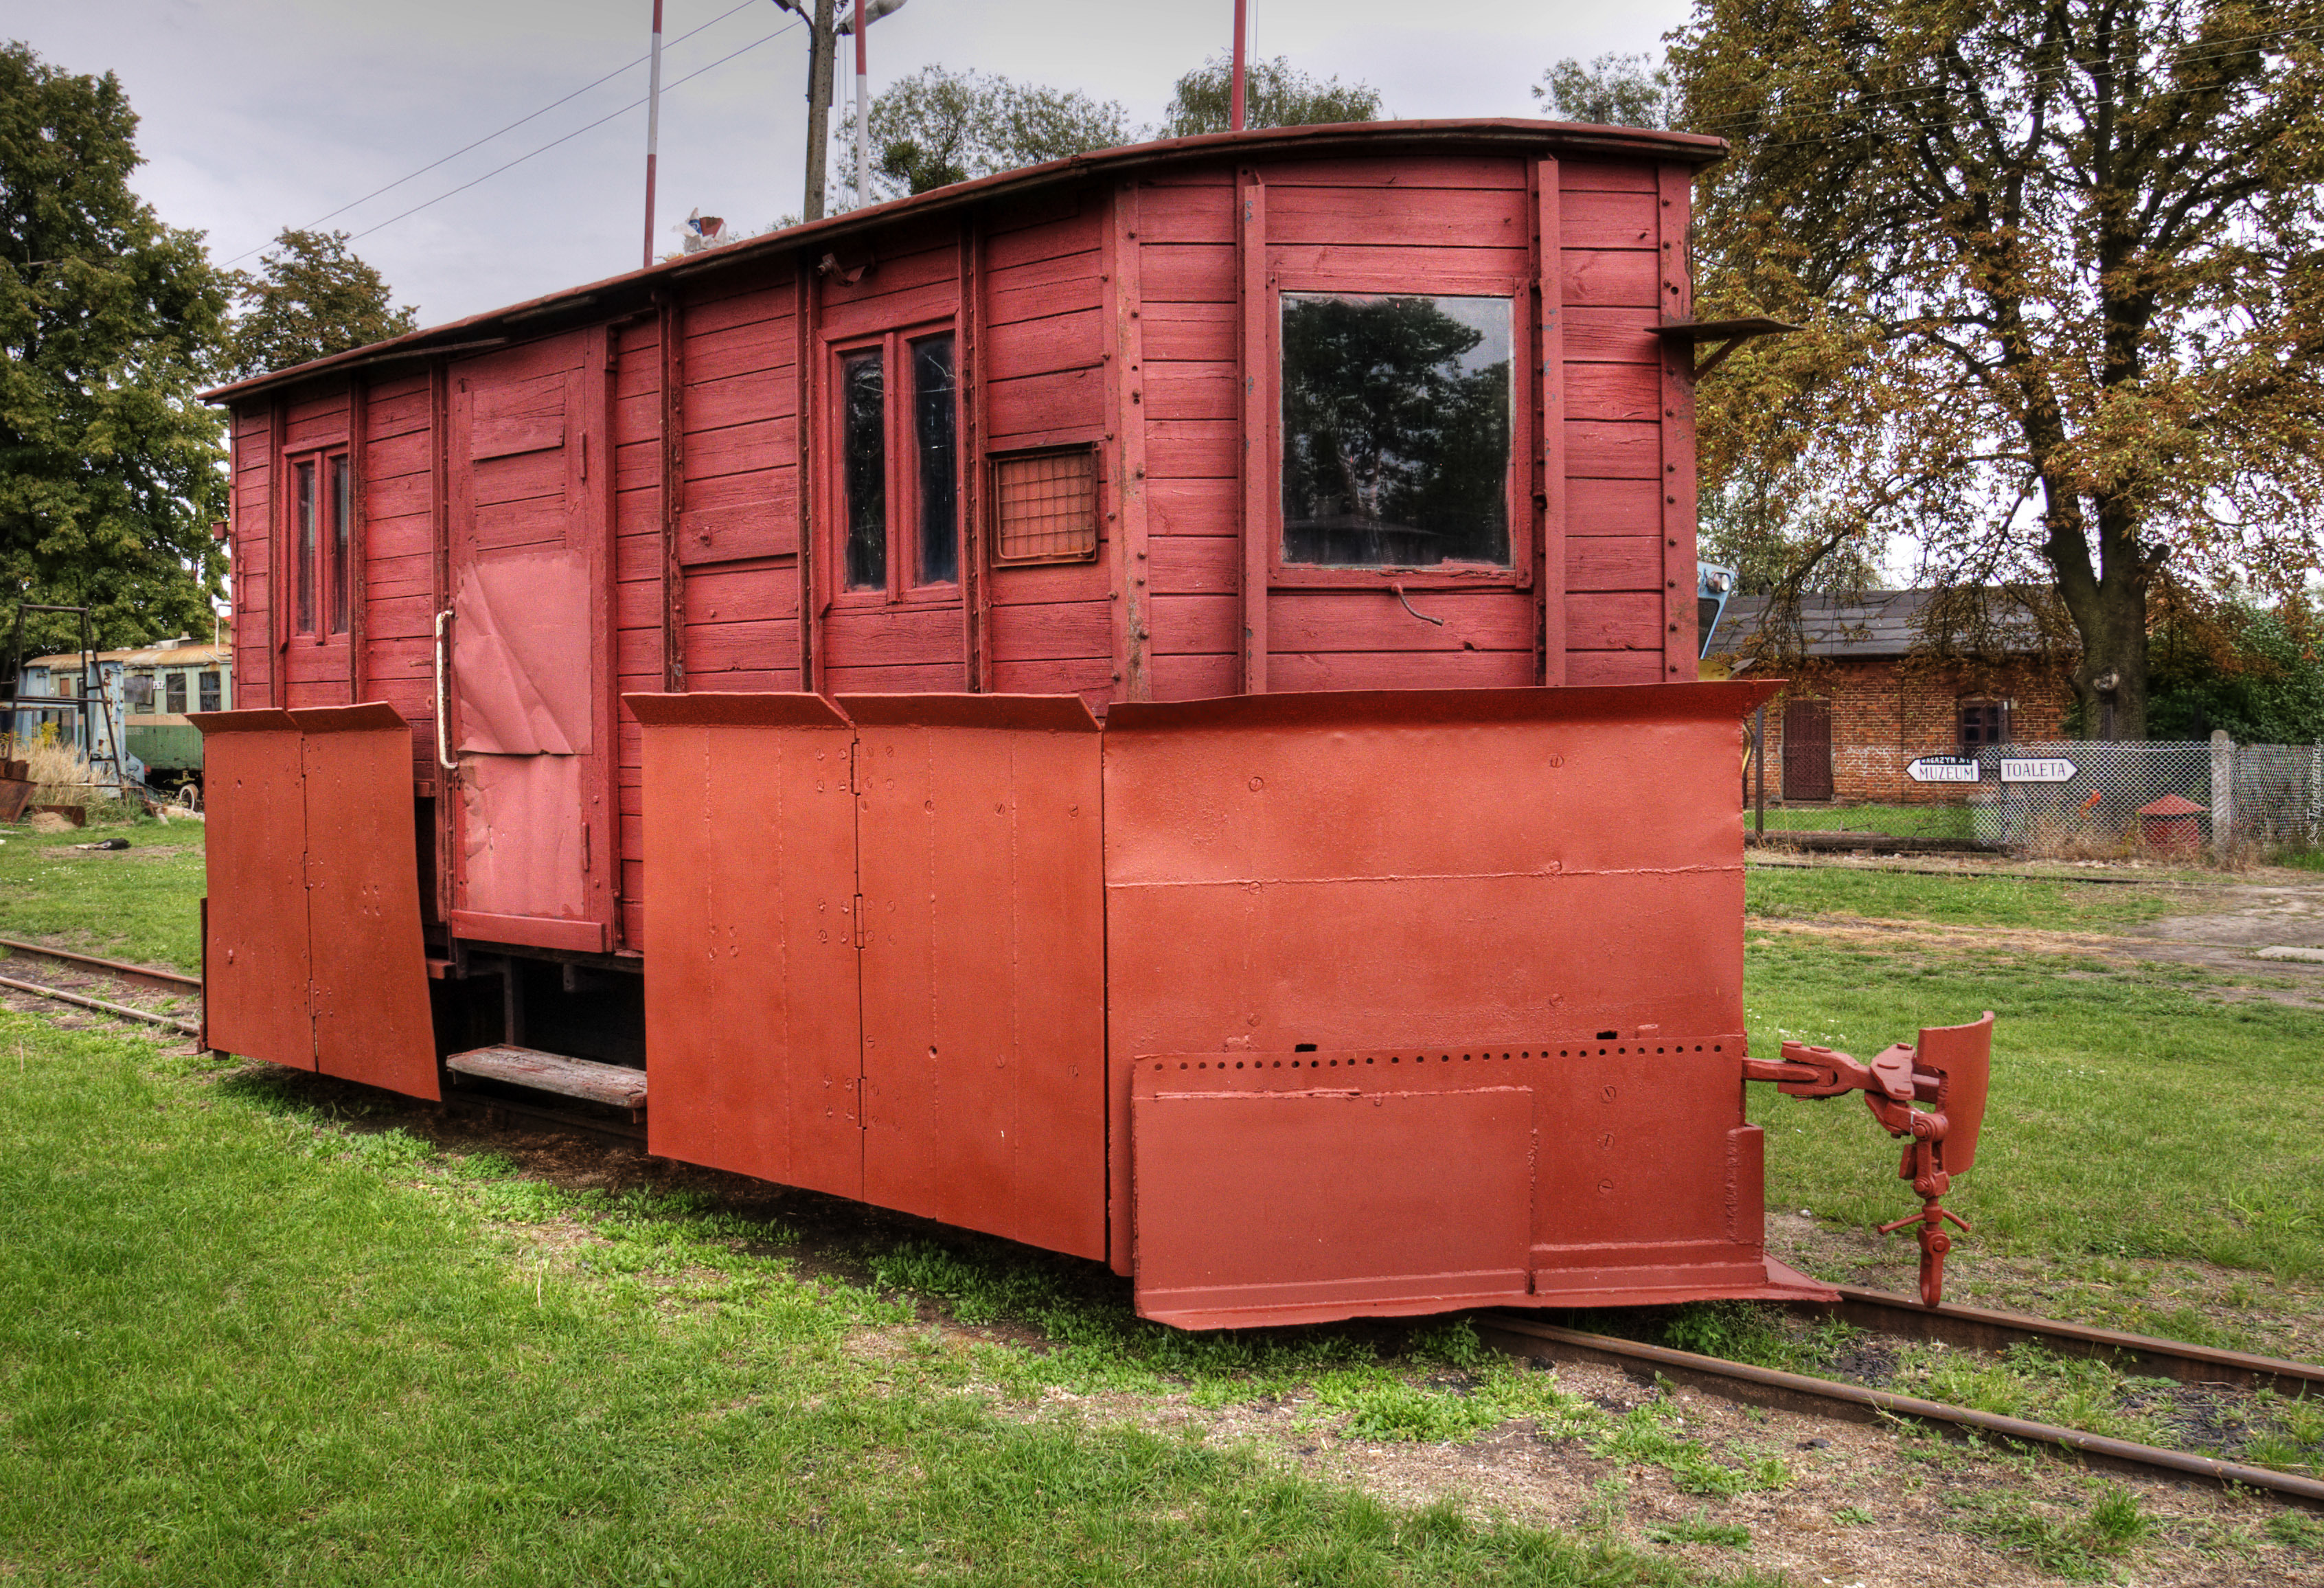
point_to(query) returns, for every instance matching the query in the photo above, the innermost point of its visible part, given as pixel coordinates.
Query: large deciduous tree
(109, 464)
(937, 127)
(1274, 95)
(2059, 268)
(1615, 90)
(309, 298)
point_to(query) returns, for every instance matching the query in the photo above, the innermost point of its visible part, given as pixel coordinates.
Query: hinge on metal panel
(584, 846)
(859, 920)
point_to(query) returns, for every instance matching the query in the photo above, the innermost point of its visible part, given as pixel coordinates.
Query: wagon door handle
(443, 738)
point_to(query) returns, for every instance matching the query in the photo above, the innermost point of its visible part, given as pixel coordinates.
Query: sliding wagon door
(530, 495)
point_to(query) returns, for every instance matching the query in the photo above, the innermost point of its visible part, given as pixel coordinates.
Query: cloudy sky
(262, 113)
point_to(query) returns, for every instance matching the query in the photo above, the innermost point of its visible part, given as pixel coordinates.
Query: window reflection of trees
(1396, 430)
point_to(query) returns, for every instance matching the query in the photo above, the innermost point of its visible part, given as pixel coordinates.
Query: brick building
(1868, 699)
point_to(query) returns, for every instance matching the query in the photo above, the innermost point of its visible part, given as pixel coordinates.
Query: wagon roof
(1370, 137)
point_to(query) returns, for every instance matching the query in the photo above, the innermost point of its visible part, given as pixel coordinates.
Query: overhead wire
(520, 121)
(575, 133)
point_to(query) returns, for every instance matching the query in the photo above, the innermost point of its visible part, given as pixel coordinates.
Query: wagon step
(617, 1086)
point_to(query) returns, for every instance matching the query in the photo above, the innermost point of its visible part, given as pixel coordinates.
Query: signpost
(2045, 770)
(1945, 768)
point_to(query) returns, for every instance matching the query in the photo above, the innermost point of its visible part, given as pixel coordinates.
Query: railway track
(89, 965)
(1522, 1335)
(1975, 1328)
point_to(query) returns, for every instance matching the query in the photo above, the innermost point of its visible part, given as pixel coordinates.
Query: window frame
(901, 471)
(1524, 514)
(334, 596)
(1963, 705)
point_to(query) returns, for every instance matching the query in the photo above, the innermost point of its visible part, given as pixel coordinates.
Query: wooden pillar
(1549, 492)
(1257, 466)
(975, 594)
(672, 330)
(358, 523)
(279, 541)
(1127, 526)
(1674, 203)
(808, 367)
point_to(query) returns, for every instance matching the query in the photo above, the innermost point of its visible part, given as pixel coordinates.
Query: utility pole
(863, 107)
(1242, 29)
(822, 47)
(653, 127)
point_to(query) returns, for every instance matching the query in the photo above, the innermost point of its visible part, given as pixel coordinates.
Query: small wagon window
(1397, 430)
(1047, 507)
(863, 453)
(934, 430)
(174, 694)
(210, 694)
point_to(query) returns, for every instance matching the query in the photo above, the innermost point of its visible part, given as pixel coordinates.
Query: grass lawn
(1902, 821)
(245, 1335)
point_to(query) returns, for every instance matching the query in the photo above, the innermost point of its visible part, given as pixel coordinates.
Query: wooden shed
(1394, 405)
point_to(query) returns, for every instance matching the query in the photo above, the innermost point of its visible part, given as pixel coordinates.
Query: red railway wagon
(1145, 705)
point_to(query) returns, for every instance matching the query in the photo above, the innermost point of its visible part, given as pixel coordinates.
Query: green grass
(140, 903)
(1968, 898)
(1901, 821)
(2132, 1114)
(238, 1344)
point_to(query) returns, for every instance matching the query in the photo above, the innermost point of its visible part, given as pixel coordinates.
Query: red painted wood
(1195, 331)
(1204, 624)
(1045, 404)
(1607, 278)
(1401, 171)
(1498, 267)
(1089, 676)
(1007, 250)
(760, 591)
(1196, 678)
(1599, 450)
(1628, 391)
(1075, 340)
(1583, 175)
(1374, 620)
(1607, 220)
(1442, 218)
(1614, 507)
(1191, 565)
(1623, 562)
(1552, 492)
(1183, 506)
(928, 635)
(1193, 449)
(763, 444)
(714, 404)
(1681, 648)
(1613, 666)
(1052, 633)
(1188, 273)
(761, 347)
(1185, 215)
(915, 678)
(1192, 391)
(735, 647)
(1048, 583)
(1376, 669)
(1044, 286)
(1604, 622)
(747, 488)
(766, 528)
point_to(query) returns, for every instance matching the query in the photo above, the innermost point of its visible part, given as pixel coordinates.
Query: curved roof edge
(1562, 137)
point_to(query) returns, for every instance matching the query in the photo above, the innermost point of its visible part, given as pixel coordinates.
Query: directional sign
(1944, 769)
(2048, 770)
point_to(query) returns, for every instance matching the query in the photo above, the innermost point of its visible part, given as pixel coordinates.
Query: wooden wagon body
(563, 634)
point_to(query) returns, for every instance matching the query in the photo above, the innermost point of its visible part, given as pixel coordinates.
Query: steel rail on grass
(1519, 1335)
(90, 964)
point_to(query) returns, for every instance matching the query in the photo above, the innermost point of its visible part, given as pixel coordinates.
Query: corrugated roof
(1370, 137)
(204, 654)
(1879, 623)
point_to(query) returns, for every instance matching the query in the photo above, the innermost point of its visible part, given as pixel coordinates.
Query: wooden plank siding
(1133, 315)
(1610, 283)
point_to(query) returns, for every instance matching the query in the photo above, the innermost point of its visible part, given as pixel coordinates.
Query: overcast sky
(262, 113)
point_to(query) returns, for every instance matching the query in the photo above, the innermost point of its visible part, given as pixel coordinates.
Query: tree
(1273, 96)
(110, 466)
(2252, 671)
(2058, 266)
(939, 127)
(310, 299)
(1614, 91)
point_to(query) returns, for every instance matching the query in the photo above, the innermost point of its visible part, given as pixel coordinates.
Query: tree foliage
(109, 465)
(2252, 671)
(2058, 266)
(1615, 90)
(1273, 96)
(939, 127)
(310, 297)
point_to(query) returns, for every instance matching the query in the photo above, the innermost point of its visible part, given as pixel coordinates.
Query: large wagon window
(322, 510)
(864, 454)
(1397, 430)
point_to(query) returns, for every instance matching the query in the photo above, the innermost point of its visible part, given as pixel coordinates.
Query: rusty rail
(144, 976)
(119, 1011)
(1520, 1335)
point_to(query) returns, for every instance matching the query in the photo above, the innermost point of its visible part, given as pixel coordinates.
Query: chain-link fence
(2086, 799)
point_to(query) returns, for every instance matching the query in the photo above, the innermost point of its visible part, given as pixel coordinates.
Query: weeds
(1701, 1530)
